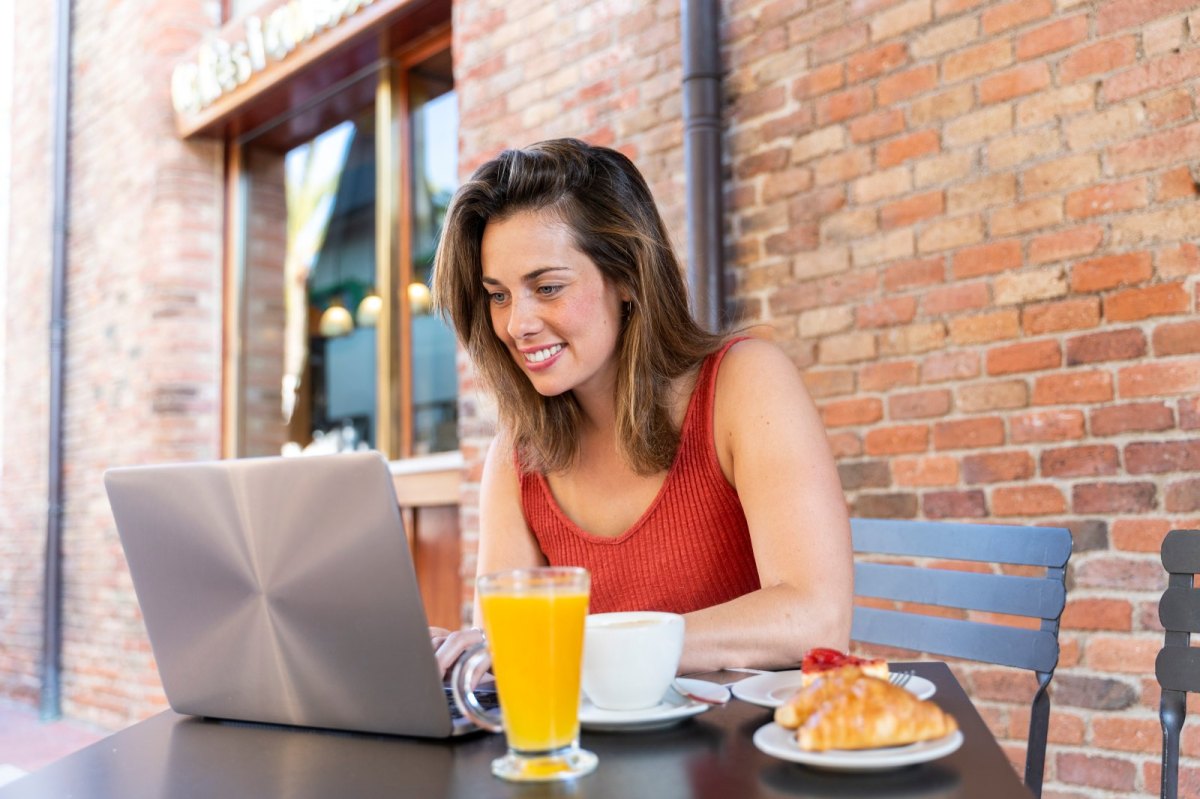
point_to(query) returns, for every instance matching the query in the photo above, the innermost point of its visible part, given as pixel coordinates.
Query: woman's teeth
(541, 355)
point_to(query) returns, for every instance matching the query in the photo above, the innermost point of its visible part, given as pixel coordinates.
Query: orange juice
(536, 641)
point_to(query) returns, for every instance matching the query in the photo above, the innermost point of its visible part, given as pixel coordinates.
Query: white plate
(673, 709)
(779, 742)
(774, 688)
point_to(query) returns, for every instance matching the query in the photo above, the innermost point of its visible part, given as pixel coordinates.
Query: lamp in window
(369, 309)
(419, 300)
(336, 320)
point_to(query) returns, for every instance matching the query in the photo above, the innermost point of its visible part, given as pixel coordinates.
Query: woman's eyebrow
(528, 276)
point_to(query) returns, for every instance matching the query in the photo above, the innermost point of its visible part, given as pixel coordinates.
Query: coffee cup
(630, 658)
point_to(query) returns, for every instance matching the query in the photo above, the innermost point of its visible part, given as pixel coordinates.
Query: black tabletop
(708, 756)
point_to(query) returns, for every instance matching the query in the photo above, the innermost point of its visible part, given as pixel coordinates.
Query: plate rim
(677, 710)
(856, 759)
(743, 689)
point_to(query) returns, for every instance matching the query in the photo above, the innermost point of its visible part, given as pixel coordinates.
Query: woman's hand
(449, 645)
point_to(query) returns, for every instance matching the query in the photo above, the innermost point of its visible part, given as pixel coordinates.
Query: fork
(900, 678)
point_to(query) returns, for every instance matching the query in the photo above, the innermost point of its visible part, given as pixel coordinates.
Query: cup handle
(466, 670)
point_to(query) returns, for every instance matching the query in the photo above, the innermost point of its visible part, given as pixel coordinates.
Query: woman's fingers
(452, 645)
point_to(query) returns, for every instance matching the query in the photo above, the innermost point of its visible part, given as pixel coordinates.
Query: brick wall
(972, 224)
(143, 336)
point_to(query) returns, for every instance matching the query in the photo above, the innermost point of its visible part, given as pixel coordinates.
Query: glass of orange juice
(533, 622)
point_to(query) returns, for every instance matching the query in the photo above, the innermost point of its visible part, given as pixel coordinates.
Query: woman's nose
(523, 319)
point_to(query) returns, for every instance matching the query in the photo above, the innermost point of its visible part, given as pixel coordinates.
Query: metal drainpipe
(51, 703)
(702, 159)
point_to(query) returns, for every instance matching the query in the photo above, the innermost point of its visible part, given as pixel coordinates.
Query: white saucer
(774, 688)
(672, 710)
(779, 742)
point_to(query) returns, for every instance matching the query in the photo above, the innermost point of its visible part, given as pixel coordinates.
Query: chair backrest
(1036, 597)
(1177, 667)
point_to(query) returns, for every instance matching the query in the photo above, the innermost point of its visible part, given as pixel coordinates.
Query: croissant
(872, 713)
(824, 686)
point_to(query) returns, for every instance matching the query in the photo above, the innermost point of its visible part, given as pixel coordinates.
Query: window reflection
(434, 131)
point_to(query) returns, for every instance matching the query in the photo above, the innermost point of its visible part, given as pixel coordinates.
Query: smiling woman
(687, 471)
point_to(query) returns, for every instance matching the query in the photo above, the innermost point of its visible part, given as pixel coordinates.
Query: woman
(687, 471)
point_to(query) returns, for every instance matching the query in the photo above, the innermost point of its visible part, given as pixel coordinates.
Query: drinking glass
(533, 622)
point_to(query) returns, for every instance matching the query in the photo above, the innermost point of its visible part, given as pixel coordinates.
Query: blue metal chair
(1041, 597)
(1178, 665)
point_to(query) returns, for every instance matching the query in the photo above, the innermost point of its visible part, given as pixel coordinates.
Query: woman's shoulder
(757, 373)
(749, 357)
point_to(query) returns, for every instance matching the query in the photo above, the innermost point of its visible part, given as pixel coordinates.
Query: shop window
(341, 209)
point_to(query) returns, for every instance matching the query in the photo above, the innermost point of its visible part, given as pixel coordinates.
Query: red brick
(845, 444)
(818, 81)
(948, 8)
(1026, 216)
(955, 299)
(1179, 338)
(1120, 14)
(875, 62)
(1156, 457)
(876, 126)
(1123, 655)
(903, 85)
(886, 375)
(1157, 150)
(1053, 317)
(1016, 82)
(977, 60)
(1189, 414)
(1111, 271)
(886, 313)
(1139, 417)
(981, 328)
(1125, 734)
(1154, 379)
(943, 366)
(1098, 460)
(852, 412)
(844, 105)
(828, 382)
(1183, 496)
(997, 467)
(1142, 303)
(968, 433)
(1027, 501)
(986, 259)
(756, 103)
(926, 471)
(1176, 184)
(839, 42)
(1105, 199)
(1175, 69)
(954, 505)
(1163, 110)
(1057, 35)
(915, 273)
(1016, 12)
(1113, 497)
(897, 440)
(1073, 387)
(1109, 345)
(906, 148)
(762, 163)
(1097, 58)
(1024, 357)
(1065, 244)
(919, 404)
(1139, 535)
(1042, 426)
(911, 210)
(1179, 261)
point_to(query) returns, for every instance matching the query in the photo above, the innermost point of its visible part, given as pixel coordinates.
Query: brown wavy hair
(607, 206)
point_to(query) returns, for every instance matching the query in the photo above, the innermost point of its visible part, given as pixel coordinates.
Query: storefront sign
(221, 66)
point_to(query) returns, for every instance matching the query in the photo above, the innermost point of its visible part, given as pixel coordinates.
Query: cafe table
(710, 755)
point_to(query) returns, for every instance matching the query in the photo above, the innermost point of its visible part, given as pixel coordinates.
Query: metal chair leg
(1171, 712)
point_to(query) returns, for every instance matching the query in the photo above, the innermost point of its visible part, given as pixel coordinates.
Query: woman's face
(550, 305)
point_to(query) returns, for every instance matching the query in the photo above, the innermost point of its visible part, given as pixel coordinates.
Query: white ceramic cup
(630, 658)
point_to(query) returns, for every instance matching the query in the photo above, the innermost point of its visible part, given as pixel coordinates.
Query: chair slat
(1035, 597)
(1178, 668)
(1181, 551)
(1179, 610)
(1030, 546)
(990, 643)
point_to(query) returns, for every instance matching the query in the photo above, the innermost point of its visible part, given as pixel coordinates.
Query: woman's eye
(548, 291)
(497, 297)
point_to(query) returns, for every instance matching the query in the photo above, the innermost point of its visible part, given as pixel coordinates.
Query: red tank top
(689, 550)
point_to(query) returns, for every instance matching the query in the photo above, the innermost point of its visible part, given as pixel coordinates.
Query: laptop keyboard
(487, 698)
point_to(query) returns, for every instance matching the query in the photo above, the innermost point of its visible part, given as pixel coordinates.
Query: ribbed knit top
(690, 549)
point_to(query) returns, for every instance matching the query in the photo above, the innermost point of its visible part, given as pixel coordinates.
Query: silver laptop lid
(281, 590)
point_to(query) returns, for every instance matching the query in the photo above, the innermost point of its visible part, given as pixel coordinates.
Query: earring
(626, 309)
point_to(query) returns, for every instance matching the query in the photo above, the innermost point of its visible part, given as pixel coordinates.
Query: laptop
(282, 590)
